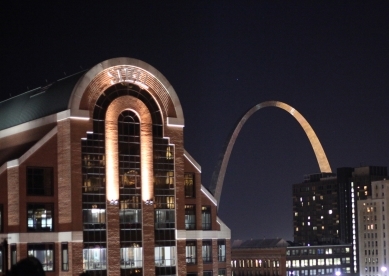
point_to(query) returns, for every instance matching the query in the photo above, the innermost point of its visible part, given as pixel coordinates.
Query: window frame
(206, 217)
(35, 207)
(189, 185)
(39, 248)
(206, 251)
(33, 187)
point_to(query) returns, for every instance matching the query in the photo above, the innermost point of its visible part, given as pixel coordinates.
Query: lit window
(93, 215)
(165, 255)
(221, 244)
(64, 256)
(190, 217)
(189, 185)
(39, 217)
(190, 252)
(328, 251)
(131, 256)
(94, 258)
(44, 252)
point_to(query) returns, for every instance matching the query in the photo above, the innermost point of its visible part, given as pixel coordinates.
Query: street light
(383, 269)
(337, 273)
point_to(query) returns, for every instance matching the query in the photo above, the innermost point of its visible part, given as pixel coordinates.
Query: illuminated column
(112, 179)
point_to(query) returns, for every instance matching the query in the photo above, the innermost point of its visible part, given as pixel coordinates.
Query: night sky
(327, 59)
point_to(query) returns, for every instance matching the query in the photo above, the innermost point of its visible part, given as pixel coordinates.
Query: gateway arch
(220, 170)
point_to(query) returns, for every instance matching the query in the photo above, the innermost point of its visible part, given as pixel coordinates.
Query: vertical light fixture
(116, 107)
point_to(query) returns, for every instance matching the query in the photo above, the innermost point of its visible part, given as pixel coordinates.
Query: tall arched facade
(220, 171)
(94, 177)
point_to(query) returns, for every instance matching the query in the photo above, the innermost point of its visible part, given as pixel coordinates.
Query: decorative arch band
(220, 171)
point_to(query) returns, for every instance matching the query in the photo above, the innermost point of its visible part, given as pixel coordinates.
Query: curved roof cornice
(126, 70)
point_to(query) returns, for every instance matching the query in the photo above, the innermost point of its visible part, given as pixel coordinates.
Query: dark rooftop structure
(260, 243)
(38, 103)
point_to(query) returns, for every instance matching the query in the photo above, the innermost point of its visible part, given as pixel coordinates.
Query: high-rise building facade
(94, 177)
(373, 214)
(325, 206)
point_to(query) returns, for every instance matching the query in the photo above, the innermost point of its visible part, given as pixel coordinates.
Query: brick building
(257, 257)
(94, 177)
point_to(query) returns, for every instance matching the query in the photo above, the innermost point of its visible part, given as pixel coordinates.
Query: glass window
(221, 244)
(94, 258)
(93, 215)
(39, 181)
(190, 252)
(207, 251)
(329, 261)
(64, 256)
(40, 217)
(131, 256)
(44, 252)
(13, 254)
(189, 185)
(165, 256)
(164, 219)
(207, 273)
(206, 217)
(190, 217)
(221, 272)
(132, 218)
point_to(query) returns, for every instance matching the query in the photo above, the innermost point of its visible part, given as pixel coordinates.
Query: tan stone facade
(109, 200)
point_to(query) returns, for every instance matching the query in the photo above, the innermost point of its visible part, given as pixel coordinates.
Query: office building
(325, 206)
(373, 214)
(319, 260)
(94, 177)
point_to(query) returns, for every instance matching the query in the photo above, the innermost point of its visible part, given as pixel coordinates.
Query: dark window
(64, 256)
(1, 218)
(40, 217)
(13, 254)
(222, 272)
(207, 273)
(190, 217)
(44, 252)
(190, 252)
(206, 217)
(189, 185)
(39, 181)
(221, 245)
(207, 251)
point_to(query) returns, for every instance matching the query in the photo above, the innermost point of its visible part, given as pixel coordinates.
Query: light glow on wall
(111, 146)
